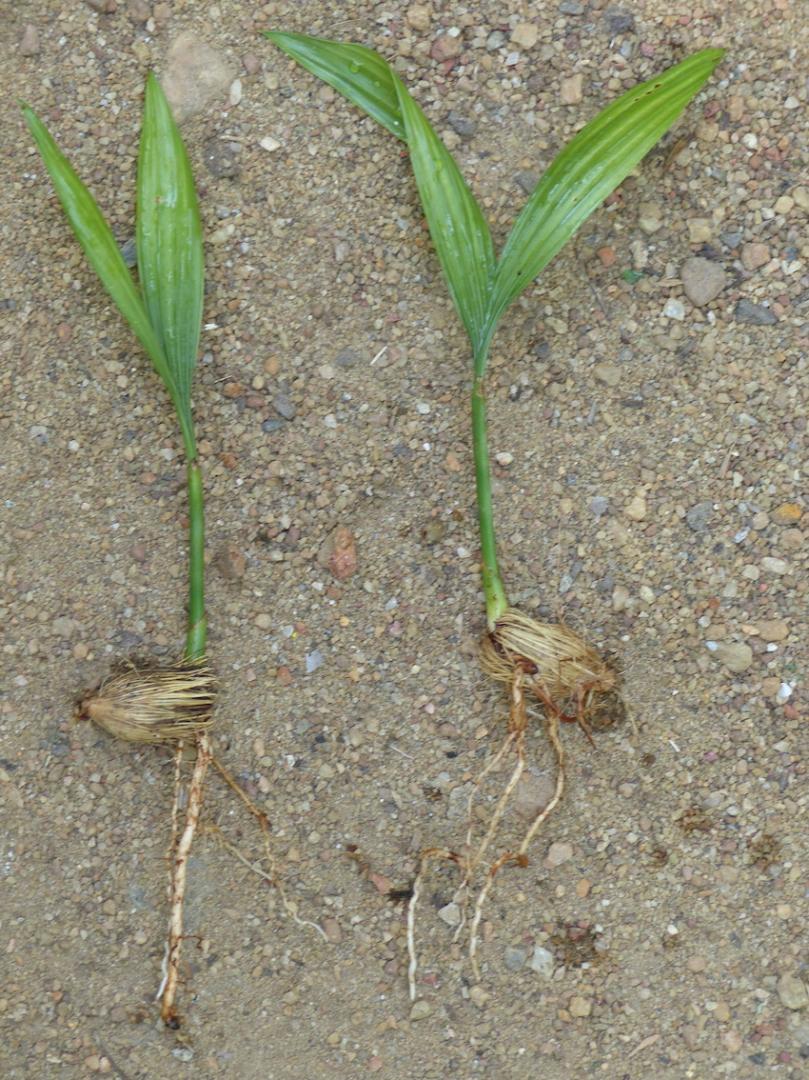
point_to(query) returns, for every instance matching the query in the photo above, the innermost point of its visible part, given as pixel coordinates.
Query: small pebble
(609, 374)
(580, 1006)
(754, 314)
(619, 21)
(772, 629)
(636, 508)
(558, 853)
(514, 958)
(755, 255)
(703, 280)
(772, 565)
(620, 598)
(525, 35)
(542, 962)
(450, 914)
(735, 655)
(571, 90)
(699, 516)
(314, 660)
(420, 1010)
(787, 514)
(446, 47)
(419, 17)
(699, 230)
(649, 217)
(29, 42)
(792, 991)
(284, 406)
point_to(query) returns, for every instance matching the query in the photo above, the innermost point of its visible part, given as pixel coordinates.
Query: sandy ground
(652, 491)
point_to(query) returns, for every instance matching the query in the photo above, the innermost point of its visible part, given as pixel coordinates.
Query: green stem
(493, 588)
(197, 623)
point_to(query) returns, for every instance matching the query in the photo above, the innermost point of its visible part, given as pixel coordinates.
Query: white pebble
(674, 309)
(269, 144)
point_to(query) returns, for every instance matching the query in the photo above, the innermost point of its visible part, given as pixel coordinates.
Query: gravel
(665, 934)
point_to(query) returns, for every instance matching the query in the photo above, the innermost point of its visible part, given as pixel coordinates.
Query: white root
(426, 856)
(552, 727)
(168, 991)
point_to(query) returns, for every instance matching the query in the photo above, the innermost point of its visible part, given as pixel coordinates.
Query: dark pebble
(129, 250)
(272, 425)
(755, 314)
(618, 21)
(347, 358)
(284, 407)
(222, 158)
(462, 125)
(699, 516)
(527, 181)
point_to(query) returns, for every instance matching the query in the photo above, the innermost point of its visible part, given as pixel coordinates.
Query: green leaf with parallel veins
(591, 166)
(169, 242)
(359, 73)
(459, 231)
(99, 245)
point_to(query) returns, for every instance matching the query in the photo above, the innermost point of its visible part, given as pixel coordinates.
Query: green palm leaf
(359, 73)
(591, 166)
(169, 248)
(99, 245)
(459, 230)
(169, 242)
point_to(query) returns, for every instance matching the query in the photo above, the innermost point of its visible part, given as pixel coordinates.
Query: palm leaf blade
(97, 241)
(591, 166)
(359, 74)
(460, 234)
(459, 231)
(169, 242)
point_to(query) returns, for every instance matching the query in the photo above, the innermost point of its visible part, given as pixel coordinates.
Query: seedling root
(566, 676)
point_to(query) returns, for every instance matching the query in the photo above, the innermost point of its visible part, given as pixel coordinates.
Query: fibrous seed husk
(153, 705)
(562, 668)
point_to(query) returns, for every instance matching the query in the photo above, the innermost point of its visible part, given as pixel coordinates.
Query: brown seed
(154, 705)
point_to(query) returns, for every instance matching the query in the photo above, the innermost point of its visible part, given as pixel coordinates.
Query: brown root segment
(179, 869)
(552, 665)
(273, 877)
(153, 705)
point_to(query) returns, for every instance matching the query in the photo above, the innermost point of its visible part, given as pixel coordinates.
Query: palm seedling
(146, 704)
(546, 661)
